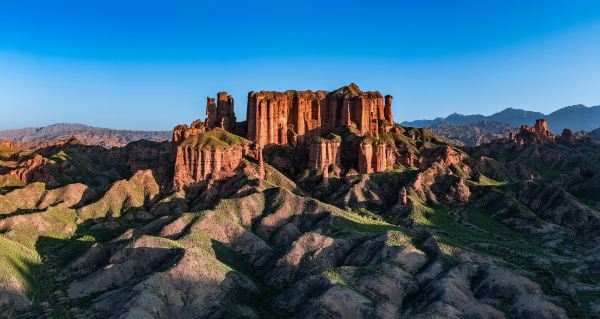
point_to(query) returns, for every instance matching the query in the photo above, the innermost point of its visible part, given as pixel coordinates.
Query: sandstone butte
(304, 120)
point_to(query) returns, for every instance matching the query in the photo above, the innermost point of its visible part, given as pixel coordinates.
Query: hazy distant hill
(577, 117)
(34, 136)
(472, 134)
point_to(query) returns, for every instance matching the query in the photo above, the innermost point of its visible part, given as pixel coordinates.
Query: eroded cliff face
(324, 154)
(213, 154)
(374, 157)
(283, 117)
(194, 165)
(220, 114)
(537, 134)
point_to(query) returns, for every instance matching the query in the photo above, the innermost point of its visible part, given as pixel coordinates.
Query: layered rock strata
(324, 153)
(213, 154)
(280, 117)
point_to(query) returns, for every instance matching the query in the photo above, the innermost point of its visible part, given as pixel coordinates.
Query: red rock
(6, 145)
(222, 113)
(198, 157)
(380, 158)
(211, 112)
(196, 165)
(271, 115)
(289, 118)
(325, 153)
(461, 192)
(365, 158)
(537, 134)
(261, 161)
(181, 132)
(541, 127)
(388, 109)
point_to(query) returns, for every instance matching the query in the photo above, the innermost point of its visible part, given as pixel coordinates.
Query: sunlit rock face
(212, 154)
(277, 117)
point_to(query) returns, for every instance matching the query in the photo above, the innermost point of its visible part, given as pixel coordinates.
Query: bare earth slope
(497, 231)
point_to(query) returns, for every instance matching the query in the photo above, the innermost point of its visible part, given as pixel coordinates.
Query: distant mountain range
(595, 134)
(576, 117)
(36, 136)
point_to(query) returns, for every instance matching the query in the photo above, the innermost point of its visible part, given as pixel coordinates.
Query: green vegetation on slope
(18, 265)
(215, 138)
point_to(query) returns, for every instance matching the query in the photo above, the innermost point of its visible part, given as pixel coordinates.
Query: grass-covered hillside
(496, 231)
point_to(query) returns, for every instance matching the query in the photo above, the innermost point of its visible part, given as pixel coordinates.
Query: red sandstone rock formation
(288, 118)
(181, 132)
(194, 165)
(537, 134)
(33, 169)
(272, 115)
(6, 145)
(323, 153)
(220, 114)
(365, 158)
(261, 161)
(388, 109)
(541, 127)
(212, 154)
(374, 157)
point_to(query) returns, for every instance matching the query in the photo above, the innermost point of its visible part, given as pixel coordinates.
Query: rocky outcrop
(571, 137)
(220, 114)
(214, 154)
(33, 169)
(289, 118)
(391, 245)
(276, 117)
(537, 134)
(324, 153)
(374, 157)
(6, 145)
(181, 132)
(365, 158)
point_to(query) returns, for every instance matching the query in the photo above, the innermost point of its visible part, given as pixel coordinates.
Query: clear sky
(151, 64)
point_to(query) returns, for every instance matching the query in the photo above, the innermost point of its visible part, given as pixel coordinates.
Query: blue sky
(151, 64)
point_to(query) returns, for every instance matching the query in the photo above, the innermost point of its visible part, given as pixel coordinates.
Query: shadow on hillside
(105, 282)
(99, 167)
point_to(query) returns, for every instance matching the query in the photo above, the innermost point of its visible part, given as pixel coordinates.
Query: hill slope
(496, 231)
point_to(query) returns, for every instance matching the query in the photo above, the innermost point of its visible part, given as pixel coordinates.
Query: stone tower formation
(304, 119)
(291, 116)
